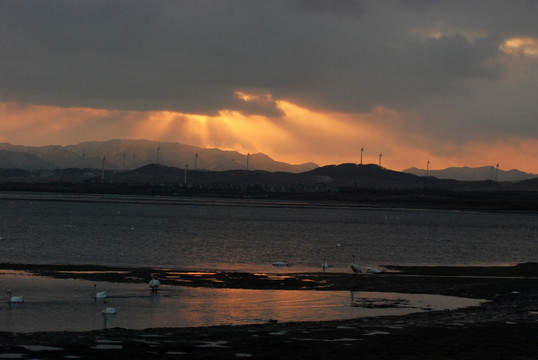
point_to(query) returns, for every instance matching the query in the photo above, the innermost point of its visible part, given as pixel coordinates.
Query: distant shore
(465, 281)
(499, 201)
(504, 327)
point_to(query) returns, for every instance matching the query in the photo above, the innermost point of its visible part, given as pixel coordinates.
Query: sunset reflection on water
(67, 304)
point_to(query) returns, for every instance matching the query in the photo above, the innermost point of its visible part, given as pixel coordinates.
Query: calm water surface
(206, 235)
(66, 304)
(195, 234)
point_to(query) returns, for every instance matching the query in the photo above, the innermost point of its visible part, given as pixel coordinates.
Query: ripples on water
(243, 237)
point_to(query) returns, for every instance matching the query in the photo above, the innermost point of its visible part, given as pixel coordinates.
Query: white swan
(108, 310)
(371, 270)
(15, 299)
(356, 268)
(99, 294)
(154, 284)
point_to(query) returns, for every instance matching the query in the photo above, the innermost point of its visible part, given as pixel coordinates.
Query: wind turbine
(158, 153)
(428, 168)
(380, 156)
(103, 170)
(196, 161)
(362, 150)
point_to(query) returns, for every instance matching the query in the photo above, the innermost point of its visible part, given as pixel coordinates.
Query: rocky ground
(504, 327)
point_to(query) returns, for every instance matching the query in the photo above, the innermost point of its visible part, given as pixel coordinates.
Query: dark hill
(23, 160)
(156, 173)
(15, 173)
(358, 175)
(368, 185)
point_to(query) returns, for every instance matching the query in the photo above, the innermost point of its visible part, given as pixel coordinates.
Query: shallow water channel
(65, 304)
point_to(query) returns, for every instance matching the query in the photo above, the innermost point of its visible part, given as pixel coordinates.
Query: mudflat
(503, 327)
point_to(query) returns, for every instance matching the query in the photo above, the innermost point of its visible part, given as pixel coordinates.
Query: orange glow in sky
(301, 135)
(527, 46)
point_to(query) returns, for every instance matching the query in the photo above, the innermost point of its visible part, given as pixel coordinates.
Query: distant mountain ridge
(132, 154)
(341, 185)
(22, 160)
(474, 174)
(343, 177)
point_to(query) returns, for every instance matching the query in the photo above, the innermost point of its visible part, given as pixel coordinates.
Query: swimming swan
(371, 270)
(99, 294)
(15, 299)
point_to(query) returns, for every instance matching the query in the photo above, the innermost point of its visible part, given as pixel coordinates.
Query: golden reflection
(238, 306)
(92, 272)
(191, 273)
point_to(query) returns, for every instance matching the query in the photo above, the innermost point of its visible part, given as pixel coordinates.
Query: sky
(454, 83)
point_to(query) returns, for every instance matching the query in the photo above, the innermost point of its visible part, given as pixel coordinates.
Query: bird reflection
(353, 304)
(108, 310)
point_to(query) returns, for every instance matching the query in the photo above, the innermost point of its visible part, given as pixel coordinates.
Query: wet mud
(505, 327)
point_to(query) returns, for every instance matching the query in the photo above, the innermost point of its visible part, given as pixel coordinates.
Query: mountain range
(124, 155)
(474, 174)
(362, 185)
(132, 154)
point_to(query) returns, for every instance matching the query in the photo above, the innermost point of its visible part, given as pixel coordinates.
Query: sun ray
(301, 135)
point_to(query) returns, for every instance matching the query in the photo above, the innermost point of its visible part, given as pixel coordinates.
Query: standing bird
(324, 265)
(99, 294)
(356, 268)
(154, 284)
(15, 299)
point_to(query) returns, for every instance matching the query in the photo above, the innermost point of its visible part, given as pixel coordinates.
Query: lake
(205, 234)
(232, 235)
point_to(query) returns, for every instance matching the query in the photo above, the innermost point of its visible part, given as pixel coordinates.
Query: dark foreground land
(504, 327)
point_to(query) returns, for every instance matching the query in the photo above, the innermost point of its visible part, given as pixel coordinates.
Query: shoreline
(465, 281)
(504, 327)
(378, 201)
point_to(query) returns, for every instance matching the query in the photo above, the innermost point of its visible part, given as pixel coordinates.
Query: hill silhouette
(350, 184)
(132, 154)
(474, 174)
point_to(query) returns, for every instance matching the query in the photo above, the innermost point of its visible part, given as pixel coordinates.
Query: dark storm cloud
(193, 56)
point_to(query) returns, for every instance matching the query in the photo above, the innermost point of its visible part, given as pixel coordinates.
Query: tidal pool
(65, 304)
